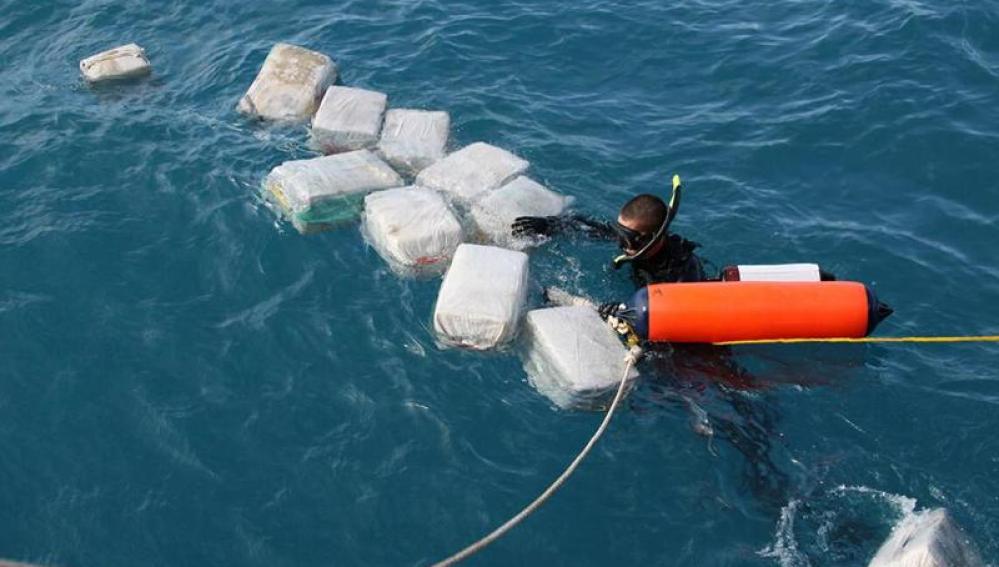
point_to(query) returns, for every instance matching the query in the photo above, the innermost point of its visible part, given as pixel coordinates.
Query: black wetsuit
(676, 262)
(685, 371)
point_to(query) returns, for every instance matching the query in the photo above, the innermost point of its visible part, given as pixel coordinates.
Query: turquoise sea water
(184, 380)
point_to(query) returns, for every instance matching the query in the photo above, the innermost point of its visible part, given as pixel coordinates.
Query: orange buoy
(712, 312)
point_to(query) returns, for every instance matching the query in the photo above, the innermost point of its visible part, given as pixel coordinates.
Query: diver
(642, 232)
(695, 375)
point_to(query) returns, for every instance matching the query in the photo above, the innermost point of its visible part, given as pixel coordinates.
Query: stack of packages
(474, 193)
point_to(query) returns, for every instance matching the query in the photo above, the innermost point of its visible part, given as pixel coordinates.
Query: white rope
(500, 531)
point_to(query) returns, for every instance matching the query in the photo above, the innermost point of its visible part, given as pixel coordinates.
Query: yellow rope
(631, 359)
(968, 339)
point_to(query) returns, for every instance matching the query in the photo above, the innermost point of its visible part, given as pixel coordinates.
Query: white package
(471, 171)
(414, 139)
(495, 211)
(411, 227)
(572, 356)
(289, 84)
(927, 539)
(482, 297)
(321, 192)
(117, 63)
(348, 119)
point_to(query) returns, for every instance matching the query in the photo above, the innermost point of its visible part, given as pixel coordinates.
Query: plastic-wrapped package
(321, 192)
(119, 63)
(572, 356)
(289, 84)
(471, 171)
(411, 227)
(927, 539)
(495, 211)
(482, 297)
(414, 139)
(348, 119)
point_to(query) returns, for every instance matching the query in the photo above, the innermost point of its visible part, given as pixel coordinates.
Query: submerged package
(289, 84)
(321, 192)
(119, 63)
(471, 171)
(929, 538)
(348, 119)
(482, 297)
(523, 197)
(414, 139)
(572, 356)
(411, 227)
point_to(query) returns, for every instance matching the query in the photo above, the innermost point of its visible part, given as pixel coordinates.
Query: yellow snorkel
(671, 209)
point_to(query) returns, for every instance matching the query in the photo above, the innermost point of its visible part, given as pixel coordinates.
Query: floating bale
(289, 84)
(927, 539)
(572, 356)
(322, 192)
(414, 139)
(482, 297)
(119, 63)
(411, 227)
(471, 171)
(348, 119)
(495, 212)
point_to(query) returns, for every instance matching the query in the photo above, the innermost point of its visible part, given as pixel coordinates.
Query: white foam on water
(903, 505)
(784, 548)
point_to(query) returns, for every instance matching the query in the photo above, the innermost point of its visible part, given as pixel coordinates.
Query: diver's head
(641, 226)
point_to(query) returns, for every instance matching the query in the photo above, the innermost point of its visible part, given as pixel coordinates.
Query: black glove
(535, 226)
(617, 309)
(609, 309)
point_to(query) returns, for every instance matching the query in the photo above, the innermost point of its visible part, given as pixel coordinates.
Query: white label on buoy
(780, 273)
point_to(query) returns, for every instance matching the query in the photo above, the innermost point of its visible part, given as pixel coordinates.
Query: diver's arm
(591, 227)
(571, 223)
